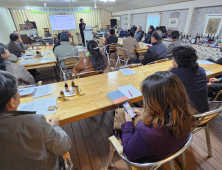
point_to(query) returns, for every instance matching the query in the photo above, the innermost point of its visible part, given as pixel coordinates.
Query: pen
(130, 93)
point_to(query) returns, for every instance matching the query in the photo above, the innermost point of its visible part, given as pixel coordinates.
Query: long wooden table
(39, 63)
(94, 89)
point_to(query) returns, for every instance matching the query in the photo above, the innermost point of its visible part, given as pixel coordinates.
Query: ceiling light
(106, 0)
(45, 4)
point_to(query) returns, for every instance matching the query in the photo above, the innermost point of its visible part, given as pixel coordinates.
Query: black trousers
(83, 38)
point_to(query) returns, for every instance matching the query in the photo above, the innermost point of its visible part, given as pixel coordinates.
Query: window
(153, 19)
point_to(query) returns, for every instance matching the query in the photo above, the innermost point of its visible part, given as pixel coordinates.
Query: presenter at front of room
(81, 28)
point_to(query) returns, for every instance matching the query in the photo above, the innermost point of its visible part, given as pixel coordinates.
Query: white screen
(62, 22)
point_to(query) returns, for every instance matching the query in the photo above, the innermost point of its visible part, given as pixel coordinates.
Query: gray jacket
(174, 44)
(29, 142)
(65, 50)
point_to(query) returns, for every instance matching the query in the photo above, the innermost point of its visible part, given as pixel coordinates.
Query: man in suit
(149, 34)
(139, 34)
(157, 52)
(112, 39)
(13, 46)
(82, 28)
(176, 41)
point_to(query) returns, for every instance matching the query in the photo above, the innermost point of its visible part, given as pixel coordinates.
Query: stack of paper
(28, 62)
(39, 105)
(48, 58)
(204, 62)
(127, 71)
(46, 52)
(208, 72)
(129, 91)
(42, 91)
(26, 91)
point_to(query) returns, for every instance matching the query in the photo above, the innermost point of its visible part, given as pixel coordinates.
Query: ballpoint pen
(130, 93)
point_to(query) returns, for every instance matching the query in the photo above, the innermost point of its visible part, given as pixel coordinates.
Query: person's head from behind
(81, 20)
(131, 34)
(58, 36)
(10, 98)
(156, 36)
(16, 32)
(139, 28)
(96, 57)
(166, 103)
(14, 37)
(151, 28)
(111, 31)
(174, 35)
(186, 57)
(4, 54)
(64, 37)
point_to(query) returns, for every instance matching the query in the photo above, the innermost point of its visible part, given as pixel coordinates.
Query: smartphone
(129, 109)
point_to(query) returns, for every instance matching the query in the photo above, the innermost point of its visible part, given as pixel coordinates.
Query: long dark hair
(166, 103)
(2, 60)
(96, 57)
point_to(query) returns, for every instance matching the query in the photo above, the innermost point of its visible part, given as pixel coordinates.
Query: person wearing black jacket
(149, 34)
(81, 28)
(214, 86)
(57, 43)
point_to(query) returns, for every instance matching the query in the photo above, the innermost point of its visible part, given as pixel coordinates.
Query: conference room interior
(87, 111)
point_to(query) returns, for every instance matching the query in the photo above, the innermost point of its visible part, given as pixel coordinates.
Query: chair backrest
(87, 74)
(205, 118)
(154, 164)
(70, 62)
(121, 51)
(112, 47)
(162, 60)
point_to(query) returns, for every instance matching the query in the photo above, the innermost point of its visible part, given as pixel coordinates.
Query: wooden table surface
(94, 89)
(141, 49)
(39, 63)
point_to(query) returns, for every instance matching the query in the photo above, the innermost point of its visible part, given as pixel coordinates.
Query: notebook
(117, 97)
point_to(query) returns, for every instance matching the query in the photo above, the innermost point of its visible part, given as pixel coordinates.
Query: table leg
(56, 73)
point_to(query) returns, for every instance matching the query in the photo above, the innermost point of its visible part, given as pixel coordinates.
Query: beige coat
(20, 73)
(130, 44)
(29, 142)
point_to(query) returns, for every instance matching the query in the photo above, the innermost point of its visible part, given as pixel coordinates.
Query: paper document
(42, 91)
(127, 71)
(32, 51)
(46, 52)
(130, 91)
(208, 72)
(25, 57)
(39, 105)
(26, 91)
(204, 62)
(48, 58)
(28, 62)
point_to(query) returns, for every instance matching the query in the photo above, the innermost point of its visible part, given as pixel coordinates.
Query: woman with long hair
(94, 61)
(166, 120)
(20, 73)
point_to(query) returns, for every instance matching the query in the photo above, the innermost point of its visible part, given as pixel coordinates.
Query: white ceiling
(118, 5)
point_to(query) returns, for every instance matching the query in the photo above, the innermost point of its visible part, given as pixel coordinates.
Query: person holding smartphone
(82, 28)
(160, 131)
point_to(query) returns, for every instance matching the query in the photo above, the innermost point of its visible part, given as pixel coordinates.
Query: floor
(90, 146)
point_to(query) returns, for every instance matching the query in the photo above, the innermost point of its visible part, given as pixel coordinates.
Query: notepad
(208, 72)
(129, 91)
(39, 105)
(42, 91)
(117, 97)
(127, 71)
(26, 91)
(204, 62)
(49, 58)
(28, 62)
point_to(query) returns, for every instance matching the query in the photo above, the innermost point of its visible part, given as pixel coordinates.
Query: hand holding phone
(129, 109)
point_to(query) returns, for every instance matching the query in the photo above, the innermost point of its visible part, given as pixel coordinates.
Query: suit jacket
(130, 44)
(174, 44)
(148, 38)
(15, 49)
(157, 52)
(29, 142)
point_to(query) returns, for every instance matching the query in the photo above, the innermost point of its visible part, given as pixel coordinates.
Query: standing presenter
(81, 28)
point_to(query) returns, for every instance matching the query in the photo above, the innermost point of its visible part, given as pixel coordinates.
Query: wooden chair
(71, 36)
(121, 55)
(69, 63)
(66, 161)
(101, 45)
(87, 74)
(116, 146)
(110, 48)
(203, 121)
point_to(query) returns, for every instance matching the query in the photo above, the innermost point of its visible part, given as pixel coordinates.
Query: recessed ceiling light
(106, 0)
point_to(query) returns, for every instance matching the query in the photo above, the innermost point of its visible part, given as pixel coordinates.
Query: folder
(117, 97)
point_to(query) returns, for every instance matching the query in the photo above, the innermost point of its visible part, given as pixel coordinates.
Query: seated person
(21, 74)
(18, 43)
(130, 29)
(112, 39)
(13, 58)
(58, 42)
(176, 41)
(139, 34)
(95, 60)
(160, 132)
(13, 46)
(65, 50)
(157, 52)
(193, 77)
(130, 44)
(214, 86)
(30, 142)
(149, 34)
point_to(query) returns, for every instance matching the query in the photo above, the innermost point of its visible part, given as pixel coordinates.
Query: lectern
(88, 34)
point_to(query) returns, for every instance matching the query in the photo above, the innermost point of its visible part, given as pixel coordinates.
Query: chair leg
(208, 141)
(184, 165)
(118, 60)
(110, 156)
(108, 59)
(172, 166)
